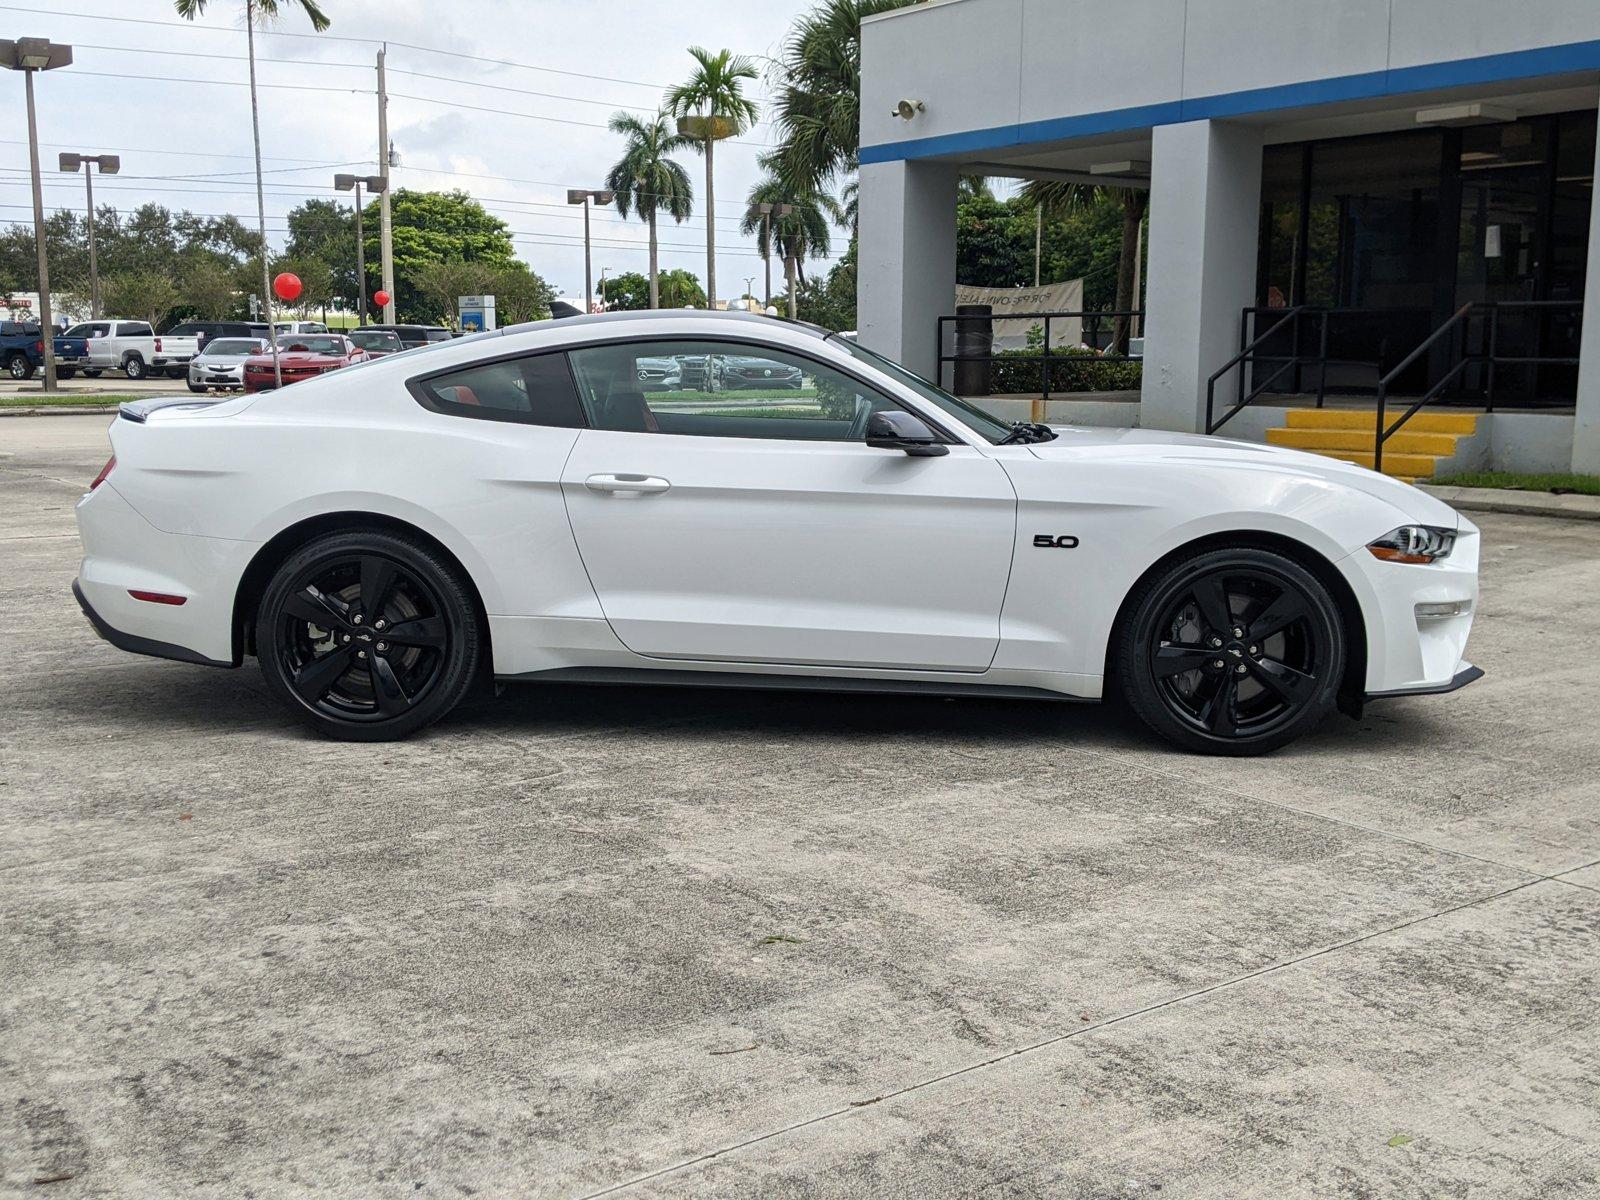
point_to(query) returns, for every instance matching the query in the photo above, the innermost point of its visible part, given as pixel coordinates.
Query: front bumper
(1468, 674)
(203, 376)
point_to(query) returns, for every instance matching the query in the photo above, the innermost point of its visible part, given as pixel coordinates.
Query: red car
(301, 356)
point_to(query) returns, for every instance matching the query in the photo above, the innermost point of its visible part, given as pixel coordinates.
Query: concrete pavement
(586, 941)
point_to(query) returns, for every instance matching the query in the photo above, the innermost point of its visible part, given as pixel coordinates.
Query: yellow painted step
(1423, 422)
(1404, 442)
(1407, 466)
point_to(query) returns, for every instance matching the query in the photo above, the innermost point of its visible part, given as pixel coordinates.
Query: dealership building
(1348, 201)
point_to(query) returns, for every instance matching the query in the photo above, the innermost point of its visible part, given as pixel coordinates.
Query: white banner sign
(1012, 333)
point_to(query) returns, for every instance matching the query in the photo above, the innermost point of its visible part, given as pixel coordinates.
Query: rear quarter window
(536, 390)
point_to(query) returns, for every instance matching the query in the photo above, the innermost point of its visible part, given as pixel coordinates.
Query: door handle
(636, 484)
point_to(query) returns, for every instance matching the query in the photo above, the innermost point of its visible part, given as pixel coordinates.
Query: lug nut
(379, 623)
(361, 653)
(383, 645)
(1239, 670)
(1218, 663)
(1238, 632)
(356, 620)
(346, 637)
(1255, 649)
(1215, 643)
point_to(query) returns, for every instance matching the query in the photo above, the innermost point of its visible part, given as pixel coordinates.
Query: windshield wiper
(1024, 432)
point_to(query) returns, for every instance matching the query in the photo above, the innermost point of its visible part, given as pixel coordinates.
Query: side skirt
(637, 676)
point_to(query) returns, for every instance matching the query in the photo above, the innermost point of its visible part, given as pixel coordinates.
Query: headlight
(1418, 544)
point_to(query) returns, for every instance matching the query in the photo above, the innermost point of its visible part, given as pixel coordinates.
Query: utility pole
(109, 164)
(1038, 240)
(30, 56)
(385, 218)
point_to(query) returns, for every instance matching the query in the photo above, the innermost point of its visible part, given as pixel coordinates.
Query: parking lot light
(583, 197)
(108, 164)
(30, 55)
(376, 185)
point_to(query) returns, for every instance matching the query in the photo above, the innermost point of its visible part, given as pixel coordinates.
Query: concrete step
(1402, 466)
(1403, 442)
(1342, 418)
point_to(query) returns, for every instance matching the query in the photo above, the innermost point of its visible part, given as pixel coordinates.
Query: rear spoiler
(139, 410)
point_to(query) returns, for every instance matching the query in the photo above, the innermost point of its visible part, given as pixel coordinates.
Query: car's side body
(999, 567)
(300, 357)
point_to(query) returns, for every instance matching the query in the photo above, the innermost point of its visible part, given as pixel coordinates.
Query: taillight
(104, 471)
(158, 345)
(38, 347)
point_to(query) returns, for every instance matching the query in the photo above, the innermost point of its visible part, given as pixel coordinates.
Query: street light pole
(375, 184)
(386, 159)
(109, 164)
(30, 55)
(582, 196)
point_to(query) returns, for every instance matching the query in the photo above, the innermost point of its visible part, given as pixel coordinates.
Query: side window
(533, 391)
(134, 329)
(721, 389)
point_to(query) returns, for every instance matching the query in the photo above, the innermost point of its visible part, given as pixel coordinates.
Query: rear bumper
(140, 645)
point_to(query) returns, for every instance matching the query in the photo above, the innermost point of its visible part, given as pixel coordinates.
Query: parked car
(747, 371)
(284, 327)
(21, 349)
(301, 356)
(659, 375)
(115, 344)
(896, 539)
(220, 365)
(412, 336)
(376, 342)
(699, 372)
(178, 345)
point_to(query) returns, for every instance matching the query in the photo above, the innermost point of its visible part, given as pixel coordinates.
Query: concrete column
(1586, 430)
(906, 275)
(1205, 206)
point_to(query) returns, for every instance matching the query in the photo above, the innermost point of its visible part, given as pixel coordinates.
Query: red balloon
(381, 299)
(286, 286)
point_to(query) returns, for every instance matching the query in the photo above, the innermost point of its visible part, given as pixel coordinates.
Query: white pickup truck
(175, 348)
(114, 344)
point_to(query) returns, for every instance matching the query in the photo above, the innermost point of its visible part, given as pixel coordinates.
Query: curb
(1507, 500)
(57, 410)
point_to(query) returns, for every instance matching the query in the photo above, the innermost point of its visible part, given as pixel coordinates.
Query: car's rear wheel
(134, 367)
(367, 635)
(89, 373)
(1232, 651)
(18, 366)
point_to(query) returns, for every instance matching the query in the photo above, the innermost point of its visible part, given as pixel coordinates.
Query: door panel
(803, 552)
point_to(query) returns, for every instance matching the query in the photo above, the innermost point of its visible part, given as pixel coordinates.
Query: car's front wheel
(367, 635)
(1232, 651)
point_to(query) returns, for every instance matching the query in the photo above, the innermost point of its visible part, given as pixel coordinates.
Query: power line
(151, 150)
(282, 87)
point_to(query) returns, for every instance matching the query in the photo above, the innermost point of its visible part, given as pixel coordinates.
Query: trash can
(974, 344)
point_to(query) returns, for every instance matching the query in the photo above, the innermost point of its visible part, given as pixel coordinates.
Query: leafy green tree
(435, 227)
(521, 294)
(714, 105)
(681, 289)
(326, 230)
(648, 182)
(210, 291)
(260, 10)
(831, 300)
(316, 282)
(144, 295)
(631, 291)
(817, 106)
(802, 233)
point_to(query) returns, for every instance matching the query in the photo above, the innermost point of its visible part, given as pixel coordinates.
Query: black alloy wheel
(1232, 652)
(367, 636)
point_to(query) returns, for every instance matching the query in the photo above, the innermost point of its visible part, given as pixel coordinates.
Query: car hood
(296, 359)
(1159, 446)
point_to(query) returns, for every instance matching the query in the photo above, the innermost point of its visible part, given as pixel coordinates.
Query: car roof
(714, 320)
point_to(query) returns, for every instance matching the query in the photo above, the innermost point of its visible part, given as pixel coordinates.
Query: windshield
(223, 347)
(374, 339)
(311, 342)
(972, 417)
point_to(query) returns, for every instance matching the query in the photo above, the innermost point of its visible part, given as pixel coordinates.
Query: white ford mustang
(513, 506)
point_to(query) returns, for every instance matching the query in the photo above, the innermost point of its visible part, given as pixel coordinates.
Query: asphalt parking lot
(582, 941)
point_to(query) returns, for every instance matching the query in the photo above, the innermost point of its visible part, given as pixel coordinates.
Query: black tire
(134, 367)
(177, 372)
(66, 372)
(197, 387)
(18, 366)
(1270, 623)
(92, 372)
(319, 649)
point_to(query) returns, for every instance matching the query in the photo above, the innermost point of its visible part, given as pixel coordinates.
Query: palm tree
(711, 106)
(800, 234)
(1057, 197)
(817, 83)
(266, 10)
(647, 181)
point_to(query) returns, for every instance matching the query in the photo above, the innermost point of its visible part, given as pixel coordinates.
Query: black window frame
(417, 385)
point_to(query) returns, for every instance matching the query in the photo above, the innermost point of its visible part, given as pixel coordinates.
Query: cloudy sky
(514, 132)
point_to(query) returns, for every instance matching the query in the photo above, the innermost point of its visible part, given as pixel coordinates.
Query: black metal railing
(1099, 334)
(1247, 353)
(1488, 356)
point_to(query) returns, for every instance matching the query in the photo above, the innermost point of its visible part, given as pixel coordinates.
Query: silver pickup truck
(113, 344)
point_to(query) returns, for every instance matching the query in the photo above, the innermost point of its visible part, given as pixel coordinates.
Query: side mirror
(894, 429)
